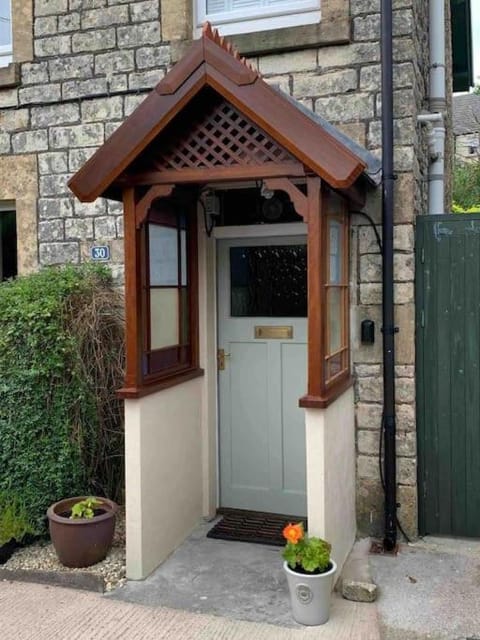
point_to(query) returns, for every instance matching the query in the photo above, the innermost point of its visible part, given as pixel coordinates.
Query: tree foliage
(466, 185)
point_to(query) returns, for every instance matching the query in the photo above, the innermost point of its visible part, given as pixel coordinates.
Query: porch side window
(336, 296)
(247, 16)
(169, 247)
(5, 33)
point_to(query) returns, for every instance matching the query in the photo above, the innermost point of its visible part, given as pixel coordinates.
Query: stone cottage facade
(90, 63)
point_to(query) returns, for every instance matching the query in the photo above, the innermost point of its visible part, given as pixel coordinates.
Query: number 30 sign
(100, 252)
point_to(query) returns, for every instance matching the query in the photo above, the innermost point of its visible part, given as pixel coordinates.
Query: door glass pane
(269, 281)
(335, 273)
(163, 251)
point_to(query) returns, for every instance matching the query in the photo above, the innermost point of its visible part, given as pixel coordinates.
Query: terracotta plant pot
(83, 541)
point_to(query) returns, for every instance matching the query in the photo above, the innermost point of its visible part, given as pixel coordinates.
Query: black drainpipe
(390, 534)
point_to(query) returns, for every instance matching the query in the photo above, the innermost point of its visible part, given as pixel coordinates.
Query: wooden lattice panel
(221, 138)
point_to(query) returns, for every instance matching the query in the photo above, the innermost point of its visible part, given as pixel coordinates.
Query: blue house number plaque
(100, 252)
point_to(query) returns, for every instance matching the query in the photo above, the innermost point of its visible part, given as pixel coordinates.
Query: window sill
(324, 401)
(325, 33)
(10, 76)
(165, 383)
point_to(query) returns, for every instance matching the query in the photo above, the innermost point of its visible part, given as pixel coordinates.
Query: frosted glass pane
(164, 318)
(335, 252)
(218, 6)
(163, 250)
(5, 24)
(334, 305)
(183, 256)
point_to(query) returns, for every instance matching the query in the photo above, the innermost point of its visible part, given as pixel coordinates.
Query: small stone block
(359, 591)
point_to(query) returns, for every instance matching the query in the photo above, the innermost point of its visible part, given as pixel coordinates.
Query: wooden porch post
(316, 306)
(132, 293)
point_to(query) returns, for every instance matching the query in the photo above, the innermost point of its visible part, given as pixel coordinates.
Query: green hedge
(60, 360)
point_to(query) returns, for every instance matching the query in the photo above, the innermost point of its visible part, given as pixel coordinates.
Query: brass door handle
(221, 355)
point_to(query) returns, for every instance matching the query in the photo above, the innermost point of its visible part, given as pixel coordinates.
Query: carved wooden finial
(212, 34)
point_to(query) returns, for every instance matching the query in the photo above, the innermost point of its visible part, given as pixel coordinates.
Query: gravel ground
(41, 556)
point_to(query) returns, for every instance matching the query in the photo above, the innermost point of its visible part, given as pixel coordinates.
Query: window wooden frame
(138, 380)
(322, 207)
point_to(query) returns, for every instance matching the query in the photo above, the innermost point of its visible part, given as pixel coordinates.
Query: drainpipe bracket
(390, 331)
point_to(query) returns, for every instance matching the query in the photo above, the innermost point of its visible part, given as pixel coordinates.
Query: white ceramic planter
(310, 595)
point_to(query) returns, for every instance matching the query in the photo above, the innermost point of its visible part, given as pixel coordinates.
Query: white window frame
(250, 20)
(6, 50)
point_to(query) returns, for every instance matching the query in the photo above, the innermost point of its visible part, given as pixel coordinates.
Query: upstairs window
(6, 48)
(247, 16)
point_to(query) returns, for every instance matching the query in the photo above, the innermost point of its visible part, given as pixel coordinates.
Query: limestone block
(145, 79)
(131, 103)
(94, 40)
(104, 17)
(30, 141)
(368, 415)
(408, 510)
(8, 98)
(367, 27)
(89, 4)
(406, 443)
(403, 292)
(55, 208)
(51, 230)
(84, 88)
(70, 22)
(405, 390)
(148, 33)
(371, 267)
(327, 84)
(346, 108)
(58, 253)
(13, 120)
(404, 267)
(54, 185)
(405, 414)
(146, 10)
(102, 109)
(152, 57)
(71, 67)
(118, 82)
(404, 370)
(53, 162)
(367, 240)
(119, 225)
(404, 103)
(358, 7)
(53, 46)
(110, 127)
(45, 26)
(403, 237)
(404, 198)
(368, 442)
(370, 293)
(47, 116)
(84, 209)
(359, 591)
(42, 93)
(114, 62)
(105, 228)
(370, 500)
(81, 135)
(404, 132)
(4, 142)
(34, 73)
(407, 471)
(78, 157)
(342, 56)
(367, 467)
(283, 83)
(50, 7)
(354, 130)
(288, 62)
(367, 370)
(403, 24)
(369, 389)
(78, 228)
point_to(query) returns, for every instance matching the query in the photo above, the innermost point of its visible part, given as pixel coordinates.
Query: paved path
(39, 612)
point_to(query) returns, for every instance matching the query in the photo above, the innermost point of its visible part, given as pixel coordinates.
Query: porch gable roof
(212, 61)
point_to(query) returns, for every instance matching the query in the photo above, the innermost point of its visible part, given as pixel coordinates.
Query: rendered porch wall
(163, 468)
(330, 439)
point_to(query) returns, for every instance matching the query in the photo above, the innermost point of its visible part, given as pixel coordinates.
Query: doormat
(252, 526)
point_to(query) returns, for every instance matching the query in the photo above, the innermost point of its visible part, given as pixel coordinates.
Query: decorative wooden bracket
(299, 199)
(157, 191)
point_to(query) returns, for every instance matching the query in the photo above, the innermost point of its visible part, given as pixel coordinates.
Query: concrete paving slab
(40, 612)
(430, 590)
(236, 580)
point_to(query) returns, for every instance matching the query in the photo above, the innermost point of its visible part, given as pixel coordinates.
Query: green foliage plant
(85, 508)
(466, 187)
(15, 521)
(61, 361)
(308, 552)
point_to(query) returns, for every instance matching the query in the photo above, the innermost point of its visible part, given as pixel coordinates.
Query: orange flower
(293, 532)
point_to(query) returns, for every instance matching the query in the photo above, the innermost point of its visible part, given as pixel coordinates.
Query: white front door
(262, 328)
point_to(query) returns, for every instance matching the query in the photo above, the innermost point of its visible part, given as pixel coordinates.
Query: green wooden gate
(448, 373)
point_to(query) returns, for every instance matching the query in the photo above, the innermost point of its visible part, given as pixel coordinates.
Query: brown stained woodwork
(156, 191)
(299, 200)
(327, 398)
(220, 174)
(212, 62)
(133, 304)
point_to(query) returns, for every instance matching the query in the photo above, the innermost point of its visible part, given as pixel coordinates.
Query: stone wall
(95, 60)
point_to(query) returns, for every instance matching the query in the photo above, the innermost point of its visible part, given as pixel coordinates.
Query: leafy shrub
(61, 359)
(466, 185)
(15, 521)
